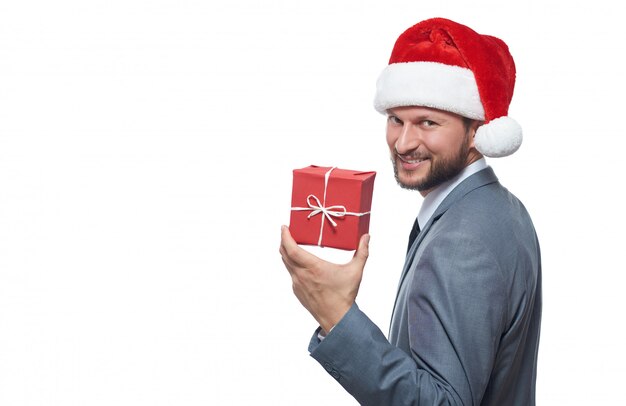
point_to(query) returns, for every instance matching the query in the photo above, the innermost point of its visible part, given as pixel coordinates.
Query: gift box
(330, 207)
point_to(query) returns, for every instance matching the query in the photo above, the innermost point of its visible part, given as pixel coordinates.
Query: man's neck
(471, 158)
(435, 196)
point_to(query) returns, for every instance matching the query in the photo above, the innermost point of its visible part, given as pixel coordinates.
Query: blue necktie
(414, 232)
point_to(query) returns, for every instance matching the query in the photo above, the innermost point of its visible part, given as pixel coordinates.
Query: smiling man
(466, 320)
(428, 146)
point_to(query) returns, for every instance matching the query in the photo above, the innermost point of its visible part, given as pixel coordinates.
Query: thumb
(363, 251)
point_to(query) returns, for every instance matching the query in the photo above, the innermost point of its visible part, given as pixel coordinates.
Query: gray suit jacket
(465, 326)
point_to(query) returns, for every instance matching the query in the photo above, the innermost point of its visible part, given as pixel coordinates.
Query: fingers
(294, 257)
(287, 244)
(285, 237)
(292, 253)
(362, 252)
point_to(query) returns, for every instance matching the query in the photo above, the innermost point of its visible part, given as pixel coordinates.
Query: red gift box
(330, 207)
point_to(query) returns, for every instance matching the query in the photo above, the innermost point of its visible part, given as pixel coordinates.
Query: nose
(409, 139)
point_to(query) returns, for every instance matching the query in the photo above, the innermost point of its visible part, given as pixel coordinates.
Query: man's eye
(394, 120)
(429, 123)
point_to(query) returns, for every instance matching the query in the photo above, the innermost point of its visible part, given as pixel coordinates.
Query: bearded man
(466, 320)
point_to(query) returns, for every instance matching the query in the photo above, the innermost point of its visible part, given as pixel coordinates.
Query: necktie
(414, 232)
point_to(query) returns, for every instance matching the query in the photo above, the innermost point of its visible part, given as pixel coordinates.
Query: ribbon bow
(328, 212)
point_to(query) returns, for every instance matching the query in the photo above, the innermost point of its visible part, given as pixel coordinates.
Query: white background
(146, 150)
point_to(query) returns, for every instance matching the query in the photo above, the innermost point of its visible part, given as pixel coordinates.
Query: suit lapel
(479, 179)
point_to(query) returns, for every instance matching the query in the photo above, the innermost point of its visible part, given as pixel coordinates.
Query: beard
(441, 170)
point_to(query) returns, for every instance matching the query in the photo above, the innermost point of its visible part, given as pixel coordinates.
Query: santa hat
(441, 64)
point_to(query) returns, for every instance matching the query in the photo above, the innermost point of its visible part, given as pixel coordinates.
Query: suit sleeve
(456, 314)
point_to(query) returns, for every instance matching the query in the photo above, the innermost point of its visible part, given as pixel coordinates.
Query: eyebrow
(432, 116)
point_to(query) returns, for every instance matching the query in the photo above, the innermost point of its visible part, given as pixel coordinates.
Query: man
(465, 325)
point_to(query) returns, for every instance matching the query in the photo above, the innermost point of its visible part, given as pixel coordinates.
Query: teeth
(412, 161)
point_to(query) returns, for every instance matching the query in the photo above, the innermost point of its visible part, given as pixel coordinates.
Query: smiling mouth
(411, 160)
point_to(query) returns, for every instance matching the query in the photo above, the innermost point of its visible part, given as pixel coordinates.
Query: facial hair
(441, 169)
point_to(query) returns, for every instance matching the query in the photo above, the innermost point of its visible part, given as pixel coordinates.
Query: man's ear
(472, 131)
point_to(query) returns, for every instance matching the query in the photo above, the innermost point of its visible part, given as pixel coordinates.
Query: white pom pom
(499, 137)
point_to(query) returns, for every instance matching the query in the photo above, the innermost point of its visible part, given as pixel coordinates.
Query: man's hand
(325, 289)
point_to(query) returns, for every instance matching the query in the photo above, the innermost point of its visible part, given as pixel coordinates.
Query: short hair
(467, 122)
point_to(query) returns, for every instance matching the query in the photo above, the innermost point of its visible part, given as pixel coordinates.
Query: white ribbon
(327, 212)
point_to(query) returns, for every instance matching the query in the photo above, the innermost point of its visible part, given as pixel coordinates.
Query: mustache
(412, 155)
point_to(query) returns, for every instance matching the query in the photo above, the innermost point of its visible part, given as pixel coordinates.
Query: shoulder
(489, 213)
(486, 230)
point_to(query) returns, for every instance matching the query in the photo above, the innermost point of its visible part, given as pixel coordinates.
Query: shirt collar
(437, 195)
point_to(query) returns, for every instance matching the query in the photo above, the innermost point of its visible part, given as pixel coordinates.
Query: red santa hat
(442, 64)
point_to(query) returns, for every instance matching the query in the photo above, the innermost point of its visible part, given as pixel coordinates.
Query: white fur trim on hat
(499, 137)
(429, 84)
